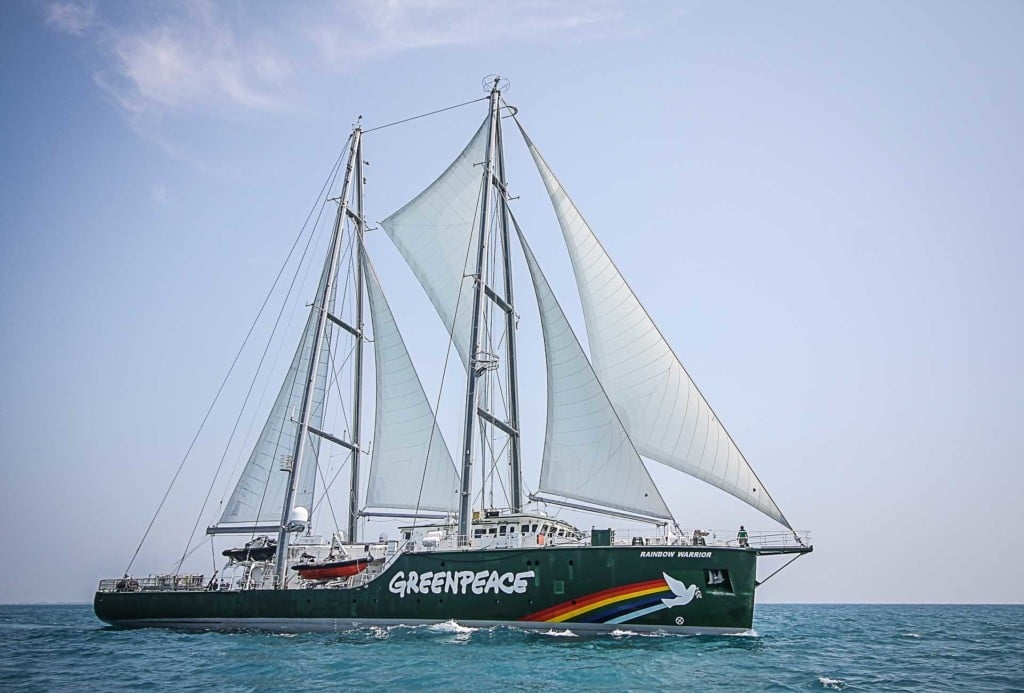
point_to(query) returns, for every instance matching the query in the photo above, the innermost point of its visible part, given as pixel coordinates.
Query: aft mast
(323, 316)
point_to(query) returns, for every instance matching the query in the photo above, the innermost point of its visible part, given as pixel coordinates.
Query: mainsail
(259, 493)
(665, 414)
(436, 235)
(587, 454)
(410, 466)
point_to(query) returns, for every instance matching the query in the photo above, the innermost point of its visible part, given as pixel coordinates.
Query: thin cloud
(367, 30)
(226, 60)
(70, 17)
(159, 195)
(164, 64)
(195, 57)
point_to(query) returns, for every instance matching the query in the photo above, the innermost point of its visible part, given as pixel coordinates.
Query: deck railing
(630, 537)
(714, 537)
(156, 583)
(781, 541)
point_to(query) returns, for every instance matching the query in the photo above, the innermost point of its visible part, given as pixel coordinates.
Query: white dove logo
(683, 594)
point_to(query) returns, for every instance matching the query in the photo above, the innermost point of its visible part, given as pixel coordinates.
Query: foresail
(436, 235)
(411, 466)
(665, 414)
(259, 494)
(587, 453)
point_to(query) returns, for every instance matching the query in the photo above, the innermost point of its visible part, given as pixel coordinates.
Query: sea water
(793, 647)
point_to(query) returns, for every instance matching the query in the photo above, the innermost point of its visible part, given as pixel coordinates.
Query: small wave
(744, 634)
(380, 633)
(451, 627)
(28, 626)
(561, 633)
(833, 684)
(619, 633)
(910, 635)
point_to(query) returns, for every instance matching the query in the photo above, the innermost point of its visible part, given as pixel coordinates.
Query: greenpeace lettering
(459, 582)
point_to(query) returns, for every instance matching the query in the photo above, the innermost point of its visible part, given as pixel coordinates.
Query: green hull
(683, 589)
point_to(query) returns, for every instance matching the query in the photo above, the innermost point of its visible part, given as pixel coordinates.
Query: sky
(819, 204)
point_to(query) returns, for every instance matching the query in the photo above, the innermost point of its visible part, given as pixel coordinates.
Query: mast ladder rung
(496, 422)
(344, 325)
(333, 438)
(501, 302)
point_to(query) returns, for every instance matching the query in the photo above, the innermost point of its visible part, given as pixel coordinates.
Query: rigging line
(328, 486)
(273, 367)
(494, 473)
(234, 428)
(494, 470)
(302, 342)
(337, 384)
(330, 506)
(494, 464)
(234, 362)
(199, 546)
(496, 384)
(301, 349)
(501, 392)
(424, 115)
(259, 367)
(782, 518)
(447, 357)
(334, 345)
(291, 318)
(334, 372)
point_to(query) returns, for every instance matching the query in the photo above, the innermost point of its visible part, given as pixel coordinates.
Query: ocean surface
(795, 647)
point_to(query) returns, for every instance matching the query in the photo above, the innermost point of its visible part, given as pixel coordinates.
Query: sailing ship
(627, 403)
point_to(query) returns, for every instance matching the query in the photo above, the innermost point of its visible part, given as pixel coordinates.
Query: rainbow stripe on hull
(615, 605)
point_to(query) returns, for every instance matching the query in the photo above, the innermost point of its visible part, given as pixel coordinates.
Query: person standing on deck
(742, 537)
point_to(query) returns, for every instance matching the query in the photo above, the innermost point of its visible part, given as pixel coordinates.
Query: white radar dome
(299, 515)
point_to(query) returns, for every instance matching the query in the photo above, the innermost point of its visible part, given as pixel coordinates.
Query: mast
(476, 333)
(511, 368)
(323, 316)
(357, 394)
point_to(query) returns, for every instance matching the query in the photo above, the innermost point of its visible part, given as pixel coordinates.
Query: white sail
(259, 494)
(411, 466)
(587, 453)
(436, 233)
(665, 414)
